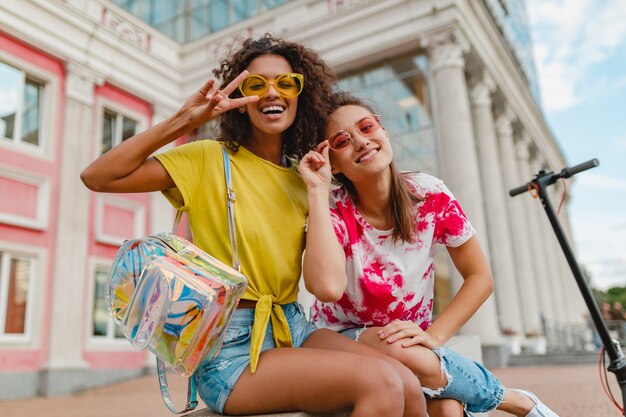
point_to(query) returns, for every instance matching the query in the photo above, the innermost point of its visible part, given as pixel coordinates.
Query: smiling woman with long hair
(370, 260)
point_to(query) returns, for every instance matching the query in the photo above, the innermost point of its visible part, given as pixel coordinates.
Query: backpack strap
(231, 196)
(192, 392)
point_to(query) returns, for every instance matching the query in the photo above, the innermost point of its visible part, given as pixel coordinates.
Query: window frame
(32, 327)
(103, 105)
(47, 110)
(112, 200)
(42, 208)
(109, 341)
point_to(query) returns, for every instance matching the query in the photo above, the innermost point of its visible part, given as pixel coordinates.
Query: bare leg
(320, 380)
(426, 365)
(444, 408)
(414, 400)
(516, 403)
(419, 359)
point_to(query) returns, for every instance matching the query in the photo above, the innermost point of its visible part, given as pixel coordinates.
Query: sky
(580, 55)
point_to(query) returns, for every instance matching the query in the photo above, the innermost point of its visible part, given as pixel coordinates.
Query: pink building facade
(57, 239)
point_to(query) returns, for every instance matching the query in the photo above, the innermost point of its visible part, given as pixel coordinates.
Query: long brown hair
(307, 128)
(403, 198)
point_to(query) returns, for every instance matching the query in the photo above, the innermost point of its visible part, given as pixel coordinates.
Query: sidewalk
(572, 391)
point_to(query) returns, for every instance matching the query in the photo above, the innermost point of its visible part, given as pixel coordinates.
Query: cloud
(8, 100)
(593, 180)
(599, 244)
(570, 37)
(606, 273)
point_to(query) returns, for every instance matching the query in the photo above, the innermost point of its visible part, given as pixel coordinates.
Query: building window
(103, 325)
(116, 128)
(187, 20)
(20, 106)
(16, 275)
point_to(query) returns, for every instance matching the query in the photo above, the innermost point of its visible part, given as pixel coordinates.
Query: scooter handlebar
(568, 172)
(565, 173)
(519, 190)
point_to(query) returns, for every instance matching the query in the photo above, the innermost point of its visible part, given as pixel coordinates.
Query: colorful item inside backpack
(173, 299)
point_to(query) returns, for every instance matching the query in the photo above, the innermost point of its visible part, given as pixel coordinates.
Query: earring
(241, 109)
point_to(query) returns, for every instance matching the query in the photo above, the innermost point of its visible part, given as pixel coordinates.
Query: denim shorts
(468, 382)
(216, 378)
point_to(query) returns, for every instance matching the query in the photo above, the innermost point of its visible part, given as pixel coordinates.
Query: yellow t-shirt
(270, 214)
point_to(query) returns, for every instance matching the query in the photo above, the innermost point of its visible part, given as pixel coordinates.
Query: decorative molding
(335, 6)
(504, 122)
(125, 29)
(481, 90)
(446, 49)
(42, 204)
(139, 218)
(80, 83)
(225, 46)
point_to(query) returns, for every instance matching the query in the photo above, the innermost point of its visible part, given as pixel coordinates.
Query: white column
(68, 308)
(531, 209)
(563, 290)
(545, 242)
(576, 304)
(458, 158)
(500, 240)
(162, 213)
(567, 282)
(517, 220)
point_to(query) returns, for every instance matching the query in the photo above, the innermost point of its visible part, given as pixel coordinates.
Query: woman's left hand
(408, 333)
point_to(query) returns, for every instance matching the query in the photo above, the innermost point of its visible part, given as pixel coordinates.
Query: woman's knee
(389, 379)
(383, 388)
(421, 360)
(414, 400)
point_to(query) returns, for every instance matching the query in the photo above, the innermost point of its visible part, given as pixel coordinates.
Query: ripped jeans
(468, 382)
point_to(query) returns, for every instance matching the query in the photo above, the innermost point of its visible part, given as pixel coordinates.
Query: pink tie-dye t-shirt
(388, 281)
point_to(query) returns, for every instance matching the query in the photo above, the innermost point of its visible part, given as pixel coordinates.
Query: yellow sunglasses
(287, 85)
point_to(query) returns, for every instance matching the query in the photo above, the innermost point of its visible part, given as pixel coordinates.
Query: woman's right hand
(128, 167)
(209, 101)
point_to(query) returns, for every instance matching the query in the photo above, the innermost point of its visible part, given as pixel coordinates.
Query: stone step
(554, 358)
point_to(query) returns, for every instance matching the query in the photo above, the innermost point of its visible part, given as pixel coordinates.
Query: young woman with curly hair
(269, 104)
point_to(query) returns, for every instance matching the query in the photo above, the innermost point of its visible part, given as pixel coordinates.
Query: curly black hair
(313, 106)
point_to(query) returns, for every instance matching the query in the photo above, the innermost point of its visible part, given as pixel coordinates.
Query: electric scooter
(542, 180)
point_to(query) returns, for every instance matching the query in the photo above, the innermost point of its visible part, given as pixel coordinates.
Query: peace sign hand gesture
(209, 101)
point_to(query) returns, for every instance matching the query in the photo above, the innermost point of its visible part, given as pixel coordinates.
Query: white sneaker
(540, 409)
